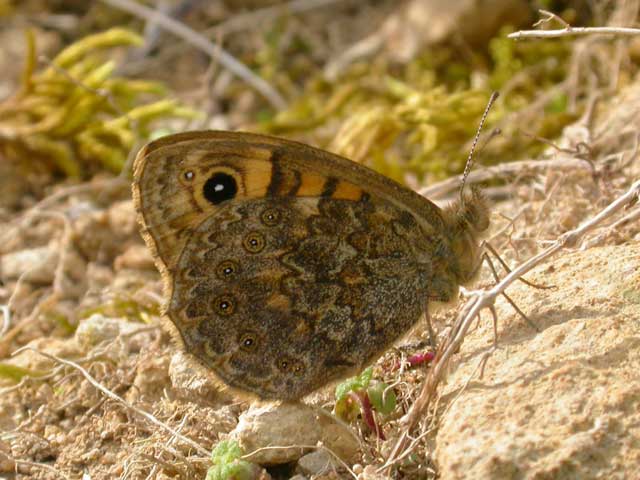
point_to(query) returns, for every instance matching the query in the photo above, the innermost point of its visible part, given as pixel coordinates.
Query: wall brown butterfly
(286, 267)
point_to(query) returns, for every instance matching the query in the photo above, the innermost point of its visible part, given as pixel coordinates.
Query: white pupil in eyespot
(188, 175)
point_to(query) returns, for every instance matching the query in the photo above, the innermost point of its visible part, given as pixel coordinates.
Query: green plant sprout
(228, 464)
(360, 395)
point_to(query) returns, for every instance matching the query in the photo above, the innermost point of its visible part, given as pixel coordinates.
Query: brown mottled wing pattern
(298, 280)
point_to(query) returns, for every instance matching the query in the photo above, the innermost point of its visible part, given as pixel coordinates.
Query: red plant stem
(417, 359)
(362, 398)
(420, 358)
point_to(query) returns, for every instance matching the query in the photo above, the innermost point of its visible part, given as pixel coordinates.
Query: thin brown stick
(42, 466)
(201, 42)
(451, 184)
(631, 217)
(569, 31)
(486, 299)
(150, 418)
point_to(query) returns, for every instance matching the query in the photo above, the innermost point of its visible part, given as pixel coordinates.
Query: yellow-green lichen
(74, 115)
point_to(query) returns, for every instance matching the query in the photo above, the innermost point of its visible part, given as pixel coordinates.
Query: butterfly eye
(224, 305)
(226, 269)
(270, 217)
(189, 175)
(220, 187)
(253, 242)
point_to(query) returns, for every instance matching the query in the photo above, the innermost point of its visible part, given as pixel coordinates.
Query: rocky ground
(91, 385)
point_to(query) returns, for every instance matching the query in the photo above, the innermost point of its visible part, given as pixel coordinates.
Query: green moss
(123, 307)
(74, 116)
(15, 373)
(419, 119)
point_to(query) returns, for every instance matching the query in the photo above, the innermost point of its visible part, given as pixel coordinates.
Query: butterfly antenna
(467, 167)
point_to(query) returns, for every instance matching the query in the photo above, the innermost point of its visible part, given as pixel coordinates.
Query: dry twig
(568, 30)
(199, 41)
(486, 299)
(42, 466)
(150, 418)
(511, 169)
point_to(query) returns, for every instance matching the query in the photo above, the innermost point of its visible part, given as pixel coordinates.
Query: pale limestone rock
(136, 257)
(98, 328)
(563, 403)
(190, 380)
(31, 360)
(316, 463)
(296, 426)
(370, 472)
(37, 264)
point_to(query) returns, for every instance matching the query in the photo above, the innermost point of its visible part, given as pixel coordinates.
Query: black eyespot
(289, 365)
(270, 217)
(226, 269)
(254, 242)
(220, 187)
(224, 305)
(248, 341)
(189, 175)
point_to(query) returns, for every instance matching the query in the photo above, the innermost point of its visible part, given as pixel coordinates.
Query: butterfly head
(467, 221)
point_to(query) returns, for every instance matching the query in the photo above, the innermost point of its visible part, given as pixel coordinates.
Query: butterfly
(286, 267)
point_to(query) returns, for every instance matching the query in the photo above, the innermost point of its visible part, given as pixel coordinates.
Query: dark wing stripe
(297, 181)
(277, 175)
(329, 187)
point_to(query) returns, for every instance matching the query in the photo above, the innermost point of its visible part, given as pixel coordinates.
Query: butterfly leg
(533, 325)
(433, 339)
(490, 247)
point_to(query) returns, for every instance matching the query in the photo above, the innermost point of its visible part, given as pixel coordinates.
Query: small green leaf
(228, 464)
(346, 409)
(382, 397)
(354, 384)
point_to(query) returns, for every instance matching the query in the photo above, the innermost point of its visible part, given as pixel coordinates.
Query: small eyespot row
(289, 365)
(224, 305)
(227, 269)
(270, 217)
(248, 341)
(254, 242)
